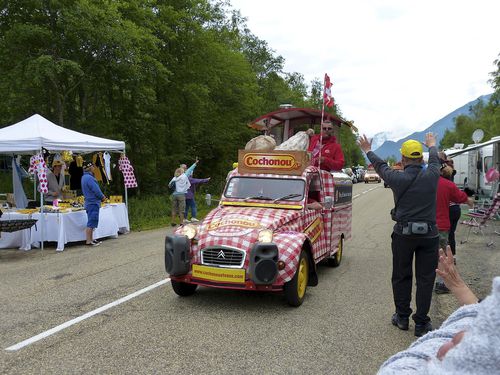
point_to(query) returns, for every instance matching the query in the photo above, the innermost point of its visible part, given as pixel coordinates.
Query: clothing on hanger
(99, 173)
(76, 173)
(107, 165)
(128, 171)
(38, 167)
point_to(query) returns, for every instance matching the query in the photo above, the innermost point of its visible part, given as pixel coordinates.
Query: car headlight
(266, 235)
(189, 231)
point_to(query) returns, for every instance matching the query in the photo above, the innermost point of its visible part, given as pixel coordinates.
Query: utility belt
(415, 228)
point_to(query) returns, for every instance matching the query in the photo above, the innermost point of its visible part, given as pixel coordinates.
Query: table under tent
(34, 136)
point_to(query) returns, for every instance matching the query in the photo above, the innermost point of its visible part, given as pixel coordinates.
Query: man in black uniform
(415, 231)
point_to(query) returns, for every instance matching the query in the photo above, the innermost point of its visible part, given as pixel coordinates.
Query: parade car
(264, 235)
(372, 176)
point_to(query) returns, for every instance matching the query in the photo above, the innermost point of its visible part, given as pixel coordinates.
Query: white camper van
(473, 162)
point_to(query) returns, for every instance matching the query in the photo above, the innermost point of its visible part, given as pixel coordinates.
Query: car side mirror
(328, 203)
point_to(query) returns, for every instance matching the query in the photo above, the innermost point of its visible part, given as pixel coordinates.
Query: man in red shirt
(332, 157)
(447, 192)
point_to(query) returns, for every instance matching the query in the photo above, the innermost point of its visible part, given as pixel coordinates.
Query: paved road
(342, 327)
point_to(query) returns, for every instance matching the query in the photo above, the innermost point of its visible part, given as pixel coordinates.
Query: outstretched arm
(190, 170)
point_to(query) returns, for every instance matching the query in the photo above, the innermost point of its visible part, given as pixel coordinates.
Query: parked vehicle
(372, 176)
(473, 163)
(351, 174)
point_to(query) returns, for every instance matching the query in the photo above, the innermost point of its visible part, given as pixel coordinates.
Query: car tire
(295, 289)
(335, 260)
(183, 289)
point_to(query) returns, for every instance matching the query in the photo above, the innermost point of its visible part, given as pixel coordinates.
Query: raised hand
(430, 139)
(365, 144)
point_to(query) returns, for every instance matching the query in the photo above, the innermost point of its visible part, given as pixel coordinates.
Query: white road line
(90, 314)
(364, 192)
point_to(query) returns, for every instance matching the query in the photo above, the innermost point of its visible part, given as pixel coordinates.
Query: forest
(174, 79)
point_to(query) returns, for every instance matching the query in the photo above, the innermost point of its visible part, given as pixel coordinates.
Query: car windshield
(265, 188)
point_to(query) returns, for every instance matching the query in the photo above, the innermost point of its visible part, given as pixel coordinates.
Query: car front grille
(222, 256)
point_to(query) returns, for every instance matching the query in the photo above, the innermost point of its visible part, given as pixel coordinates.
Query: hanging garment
(17, 183)
(79, 161)
(128, 172)
(99, 173)
(76, 173)
(107, 165)
(38, 167)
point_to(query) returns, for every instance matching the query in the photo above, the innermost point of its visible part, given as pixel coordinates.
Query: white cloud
(397, 65)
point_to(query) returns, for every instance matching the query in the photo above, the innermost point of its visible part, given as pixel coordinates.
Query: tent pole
(42, 216)
(126, 192)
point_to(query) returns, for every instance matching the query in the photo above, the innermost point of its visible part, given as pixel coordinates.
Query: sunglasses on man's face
(327, 128)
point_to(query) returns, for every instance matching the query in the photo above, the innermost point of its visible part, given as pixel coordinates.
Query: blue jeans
(190, 204)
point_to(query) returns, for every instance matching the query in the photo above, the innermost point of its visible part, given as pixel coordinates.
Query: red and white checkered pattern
(289, 246)
(237, 236)
(239, 227)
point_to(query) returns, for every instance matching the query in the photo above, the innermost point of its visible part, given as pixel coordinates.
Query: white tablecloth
(66, 227)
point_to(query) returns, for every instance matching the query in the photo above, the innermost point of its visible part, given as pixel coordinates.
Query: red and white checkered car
(268, 233)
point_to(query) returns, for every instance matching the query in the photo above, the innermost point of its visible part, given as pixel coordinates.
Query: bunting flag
(327, 93)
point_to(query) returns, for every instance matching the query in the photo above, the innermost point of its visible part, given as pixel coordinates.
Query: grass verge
(154, 211)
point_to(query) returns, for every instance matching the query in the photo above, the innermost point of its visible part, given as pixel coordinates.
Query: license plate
(226, 275)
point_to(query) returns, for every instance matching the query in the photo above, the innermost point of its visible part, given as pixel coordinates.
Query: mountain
(391, 148)
(378, 139)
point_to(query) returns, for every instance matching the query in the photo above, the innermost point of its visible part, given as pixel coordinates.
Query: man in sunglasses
(332, 157)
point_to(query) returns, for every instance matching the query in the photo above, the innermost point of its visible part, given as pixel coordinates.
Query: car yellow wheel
(303, 277)
(295, 289)
(335, 260)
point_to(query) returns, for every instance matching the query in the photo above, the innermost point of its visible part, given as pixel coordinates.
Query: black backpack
(171, 187)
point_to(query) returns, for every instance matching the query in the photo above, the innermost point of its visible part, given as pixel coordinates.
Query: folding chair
(479, 219)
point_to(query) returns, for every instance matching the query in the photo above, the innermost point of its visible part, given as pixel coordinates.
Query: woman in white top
(55, 182)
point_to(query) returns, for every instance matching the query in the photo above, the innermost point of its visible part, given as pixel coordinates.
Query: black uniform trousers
(425, 250)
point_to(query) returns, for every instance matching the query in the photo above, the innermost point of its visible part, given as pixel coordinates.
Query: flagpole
(321, 123)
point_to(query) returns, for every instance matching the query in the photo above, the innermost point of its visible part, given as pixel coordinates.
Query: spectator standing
(180, 184)
(93, 198)
(455, 210)
(332, 157)
(415, 232)
(447, 193)
(190, 198)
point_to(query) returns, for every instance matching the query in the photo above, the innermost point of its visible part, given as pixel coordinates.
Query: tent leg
(42, 217)
(42, 223)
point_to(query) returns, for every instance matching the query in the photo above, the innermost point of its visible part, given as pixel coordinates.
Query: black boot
(422, 328)
(400, 322)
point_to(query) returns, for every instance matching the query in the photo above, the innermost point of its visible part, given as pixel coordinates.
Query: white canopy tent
(30, 135)
(33, 134)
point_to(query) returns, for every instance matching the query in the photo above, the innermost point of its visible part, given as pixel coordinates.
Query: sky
(397, 65)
